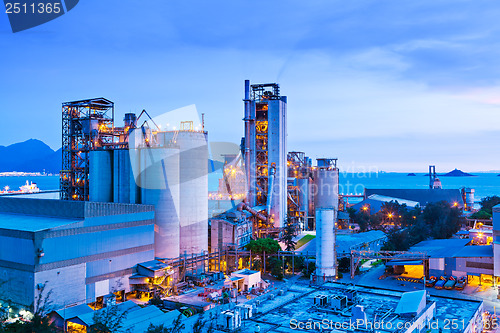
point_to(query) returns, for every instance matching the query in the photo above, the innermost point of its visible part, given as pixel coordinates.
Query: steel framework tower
(86, 125)
(265, 150)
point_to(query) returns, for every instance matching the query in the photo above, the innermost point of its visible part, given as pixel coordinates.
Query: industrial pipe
(249, 145)
(272, 176)
(255, 213)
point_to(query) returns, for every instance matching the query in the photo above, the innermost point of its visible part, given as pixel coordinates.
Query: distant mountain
(35, 156)
(30, 156)
(457, 173)
(411, 174)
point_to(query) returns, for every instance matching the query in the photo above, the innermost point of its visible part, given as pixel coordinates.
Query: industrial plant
(137, 228)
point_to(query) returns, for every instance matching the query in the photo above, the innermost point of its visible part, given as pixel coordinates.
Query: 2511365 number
(39, 8)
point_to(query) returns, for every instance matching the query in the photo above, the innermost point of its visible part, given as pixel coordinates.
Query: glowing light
(455, 204)
(390, 215)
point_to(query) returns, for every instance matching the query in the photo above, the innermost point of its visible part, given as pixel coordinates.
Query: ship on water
(29, 187)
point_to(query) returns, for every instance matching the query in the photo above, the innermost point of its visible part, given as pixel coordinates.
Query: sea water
(484, 184)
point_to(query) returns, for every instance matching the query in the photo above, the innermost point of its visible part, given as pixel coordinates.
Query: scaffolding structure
(300, 170)
(261, 94)
(86, 125)
(264, 150)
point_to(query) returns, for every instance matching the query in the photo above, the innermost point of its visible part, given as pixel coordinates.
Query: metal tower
(86, 125)
(432, 176)
(265, 150)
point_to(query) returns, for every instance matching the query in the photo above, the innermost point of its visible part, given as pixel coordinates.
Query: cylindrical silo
(325, 244)
(101, 175)
(326, 188)
(193, 189)
(303, 184)
(469, 198)
(122, 176)
(159, 186)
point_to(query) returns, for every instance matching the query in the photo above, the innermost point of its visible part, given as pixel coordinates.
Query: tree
(443, 220)
(298, 263)
(108, 320)
(362, 219)
(39, 322)
(156, 300)
(488, 203)
(397, 240)
(419, 231)
(309, 269)
(344, 264)
(276, 268)
(288, 234)
(199, 324)
(481, 215)
(261, 245)
(176, 327)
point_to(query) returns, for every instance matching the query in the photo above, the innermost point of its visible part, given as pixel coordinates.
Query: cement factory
(136, 222)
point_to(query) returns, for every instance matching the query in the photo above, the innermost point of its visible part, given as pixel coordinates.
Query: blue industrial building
(79, 251)
(422, 196)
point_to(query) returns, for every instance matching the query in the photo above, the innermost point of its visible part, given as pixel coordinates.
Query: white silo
(326, 184)
(325, 244)
(159, 186)
(155, 169)
(326, 201)
(193, 187)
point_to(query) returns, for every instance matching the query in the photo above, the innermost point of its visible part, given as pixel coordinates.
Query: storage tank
(101, 175)
(325, 244)
(193, 178)
(124, 188)
(303, 184)
(326, 186)
(469, 198)
(159, 186)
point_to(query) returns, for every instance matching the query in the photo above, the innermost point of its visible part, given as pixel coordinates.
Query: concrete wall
(17, 285)
(478, 265)
(66, 285)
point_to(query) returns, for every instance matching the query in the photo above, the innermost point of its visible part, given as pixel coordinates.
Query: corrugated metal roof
(476, 251)
(32, 223)
(375, 205)
(74, 311)
(88, 318)
(440, 248)
(153, 265)
(423, 196)
(344, 242)
(385, 198)
(154, 318)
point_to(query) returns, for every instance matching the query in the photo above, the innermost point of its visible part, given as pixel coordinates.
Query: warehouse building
(422, 196)
(450, 257)
(78, 251)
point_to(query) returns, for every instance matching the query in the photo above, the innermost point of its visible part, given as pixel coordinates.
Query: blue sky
(394, 85)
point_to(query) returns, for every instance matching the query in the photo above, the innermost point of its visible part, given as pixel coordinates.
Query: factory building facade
(78, 251)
